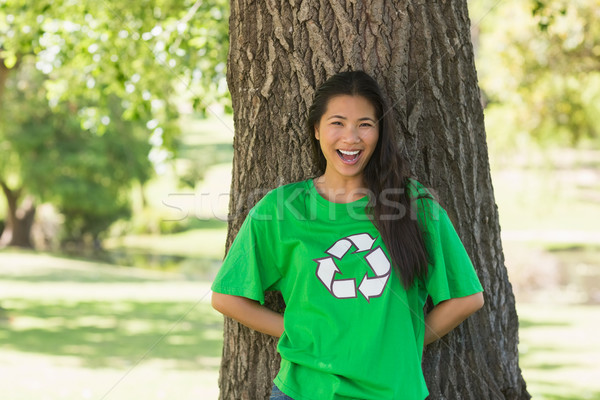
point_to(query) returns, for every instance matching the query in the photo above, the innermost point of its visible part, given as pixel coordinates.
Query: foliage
(541, 72)
(86, 176)
(139, 52)
(112, 74)
(136, 51)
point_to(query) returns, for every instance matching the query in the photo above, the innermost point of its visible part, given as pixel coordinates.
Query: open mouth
(349, 157)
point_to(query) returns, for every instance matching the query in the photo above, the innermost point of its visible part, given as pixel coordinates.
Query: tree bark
(422, 56)
(19, 221)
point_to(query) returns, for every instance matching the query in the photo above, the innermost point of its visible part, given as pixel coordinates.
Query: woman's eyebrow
(360, 119)
(366, 119)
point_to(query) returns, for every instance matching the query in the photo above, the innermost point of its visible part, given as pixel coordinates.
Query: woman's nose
(351, 135)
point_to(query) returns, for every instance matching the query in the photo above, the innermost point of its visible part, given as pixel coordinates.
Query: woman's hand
(448, 314)
(249, 312)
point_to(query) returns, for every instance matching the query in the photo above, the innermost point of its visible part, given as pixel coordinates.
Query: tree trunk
(19, 221)
(422, 56)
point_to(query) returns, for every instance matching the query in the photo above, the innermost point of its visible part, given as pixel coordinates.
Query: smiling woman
(355, 252)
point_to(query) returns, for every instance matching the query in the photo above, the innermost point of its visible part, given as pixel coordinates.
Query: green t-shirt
(351, 330)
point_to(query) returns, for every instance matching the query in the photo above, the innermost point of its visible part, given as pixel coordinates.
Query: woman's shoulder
(417, 190)
(276, 197)
(427, 202)
(286, 190)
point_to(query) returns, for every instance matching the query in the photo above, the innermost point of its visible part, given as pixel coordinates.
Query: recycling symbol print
(346, 288)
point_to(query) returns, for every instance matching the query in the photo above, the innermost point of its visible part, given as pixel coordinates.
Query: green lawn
(551, 193)
(559, 350)
(75, 329)
(209, 243)
(549, 206)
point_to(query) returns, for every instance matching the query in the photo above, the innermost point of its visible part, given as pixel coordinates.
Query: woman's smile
(349, 157)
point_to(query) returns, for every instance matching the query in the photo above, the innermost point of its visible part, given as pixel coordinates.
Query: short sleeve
(251, 266)
(450, 272)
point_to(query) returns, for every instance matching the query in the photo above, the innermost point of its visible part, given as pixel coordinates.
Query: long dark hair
(387, 175)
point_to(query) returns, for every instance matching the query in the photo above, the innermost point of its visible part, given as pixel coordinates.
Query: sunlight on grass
(28, 265)
(150, 338)
(559, 350)
(31, 376)
(558, 193)
(196, 242)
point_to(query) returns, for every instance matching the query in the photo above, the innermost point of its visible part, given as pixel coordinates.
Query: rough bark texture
(19, 219)
(421, 54)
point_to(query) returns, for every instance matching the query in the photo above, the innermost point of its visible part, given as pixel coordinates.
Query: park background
(116, 127)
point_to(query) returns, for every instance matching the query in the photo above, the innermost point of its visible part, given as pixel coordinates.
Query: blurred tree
(541, 73)
(47, 153)
(135, 50)
(104, 63)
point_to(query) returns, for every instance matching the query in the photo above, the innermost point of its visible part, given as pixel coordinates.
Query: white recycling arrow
(342, 288)
(362, 242)
(379, 263)
(372, 287)
(326, 271)
(339, 248)
(346, 288)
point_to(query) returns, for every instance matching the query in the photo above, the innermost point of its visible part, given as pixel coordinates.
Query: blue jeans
(277, 394)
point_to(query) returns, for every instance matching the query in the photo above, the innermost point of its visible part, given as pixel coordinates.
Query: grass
(27, 376)
(208, 243)
(551, 242)
(559, 350)
(73, 329)
(76, 329)
(113, 333)
(541, 199)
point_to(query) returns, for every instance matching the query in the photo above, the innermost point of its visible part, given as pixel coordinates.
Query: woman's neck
(341, 190)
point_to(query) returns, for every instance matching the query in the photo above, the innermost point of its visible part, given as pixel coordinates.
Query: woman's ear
(317, 133)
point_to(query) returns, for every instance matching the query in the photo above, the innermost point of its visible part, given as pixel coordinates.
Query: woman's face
(347, 132)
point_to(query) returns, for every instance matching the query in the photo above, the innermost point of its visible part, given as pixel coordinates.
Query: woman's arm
(249, 312)
(448, 314)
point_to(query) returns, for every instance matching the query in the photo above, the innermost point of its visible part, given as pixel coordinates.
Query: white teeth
(349, 153)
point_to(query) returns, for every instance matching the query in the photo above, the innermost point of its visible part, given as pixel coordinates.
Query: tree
(106, 64)
(422, 55)
(86, 176)
(541, 74)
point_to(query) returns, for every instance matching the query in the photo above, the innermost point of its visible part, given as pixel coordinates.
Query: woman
(355, 252)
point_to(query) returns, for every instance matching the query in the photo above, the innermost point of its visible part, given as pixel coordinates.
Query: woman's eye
(336, 123)
(366, 125)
